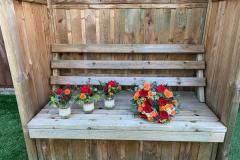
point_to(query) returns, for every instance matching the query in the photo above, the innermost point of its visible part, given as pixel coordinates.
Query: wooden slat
(129, 48)
(36, 1)
(124, 1)
(200, 74)
(170, 81)
(238, 87)
(131, 135)
(130, 6)
(98, 64)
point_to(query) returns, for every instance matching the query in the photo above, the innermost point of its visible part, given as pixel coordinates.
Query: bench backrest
(61, 63)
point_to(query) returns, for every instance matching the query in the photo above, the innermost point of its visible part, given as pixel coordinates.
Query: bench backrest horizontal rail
(129, 6)
(126, 81)
(128, 48)
(129, 2)
(100, 64)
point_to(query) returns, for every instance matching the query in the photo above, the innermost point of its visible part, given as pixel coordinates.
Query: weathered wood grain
(5, 78)
(126, 1)
(131, 135)
(170, 81)
(36, 1)
(223, 65)
(129, 48)
(130, 6)
(91, 64)
(18, 27)
(109, 125)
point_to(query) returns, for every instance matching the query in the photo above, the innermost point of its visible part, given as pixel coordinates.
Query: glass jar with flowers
(110, 89)
(60, 99)
(86, 97)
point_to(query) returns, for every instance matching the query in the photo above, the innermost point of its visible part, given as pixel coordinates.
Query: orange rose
(147, 86)
(173, 112)
(154, 114)
(168, 93)
(140, 109)
(175, 102)
(162, 108)
(150, 118)
(82, 96)
(67, 91)
(150, 94)
(169, 106)
(136, 95)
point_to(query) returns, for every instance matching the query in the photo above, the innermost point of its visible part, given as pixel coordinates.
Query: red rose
(59, 91)
(143, 93)
(112, 83)
(143, 116)
(163, 115)
(147, 107)
(160, 88)
(86, 89)
(162, 101)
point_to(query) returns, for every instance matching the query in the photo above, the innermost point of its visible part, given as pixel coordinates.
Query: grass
(12, 145)
(235, 147)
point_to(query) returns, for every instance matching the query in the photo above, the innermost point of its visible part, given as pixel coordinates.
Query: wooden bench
(195, 121)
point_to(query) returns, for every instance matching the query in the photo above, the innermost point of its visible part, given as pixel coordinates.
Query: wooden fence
(5, 76)
(104, 24)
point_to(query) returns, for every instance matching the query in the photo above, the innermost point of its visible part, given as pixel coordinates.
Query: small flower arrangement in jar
(110, 89)
(60, 99)
(86, 97)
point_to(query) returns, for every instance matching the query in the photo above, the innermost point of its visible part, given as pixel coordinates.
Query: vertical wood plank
(150, 150)
(166, 150)
(200, 74)
(180, 25)
(5, 79)
(205, 151)
(132, 150)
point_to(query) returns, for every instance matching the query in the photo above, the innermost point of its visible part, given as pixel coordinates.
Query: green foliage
(91, 94)
(59, 98)
(90, 99)
(110, 89)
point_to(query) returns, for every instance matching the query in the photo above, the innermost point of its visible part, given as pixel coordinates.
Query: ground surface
(12, 145)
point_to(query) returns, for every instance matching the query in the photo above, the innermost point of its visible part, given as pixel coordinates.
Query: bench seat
(195, 122)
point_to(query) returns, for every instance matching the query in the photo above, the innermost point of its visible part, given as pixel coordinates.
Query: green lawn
(235, 148)
(12, 145)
